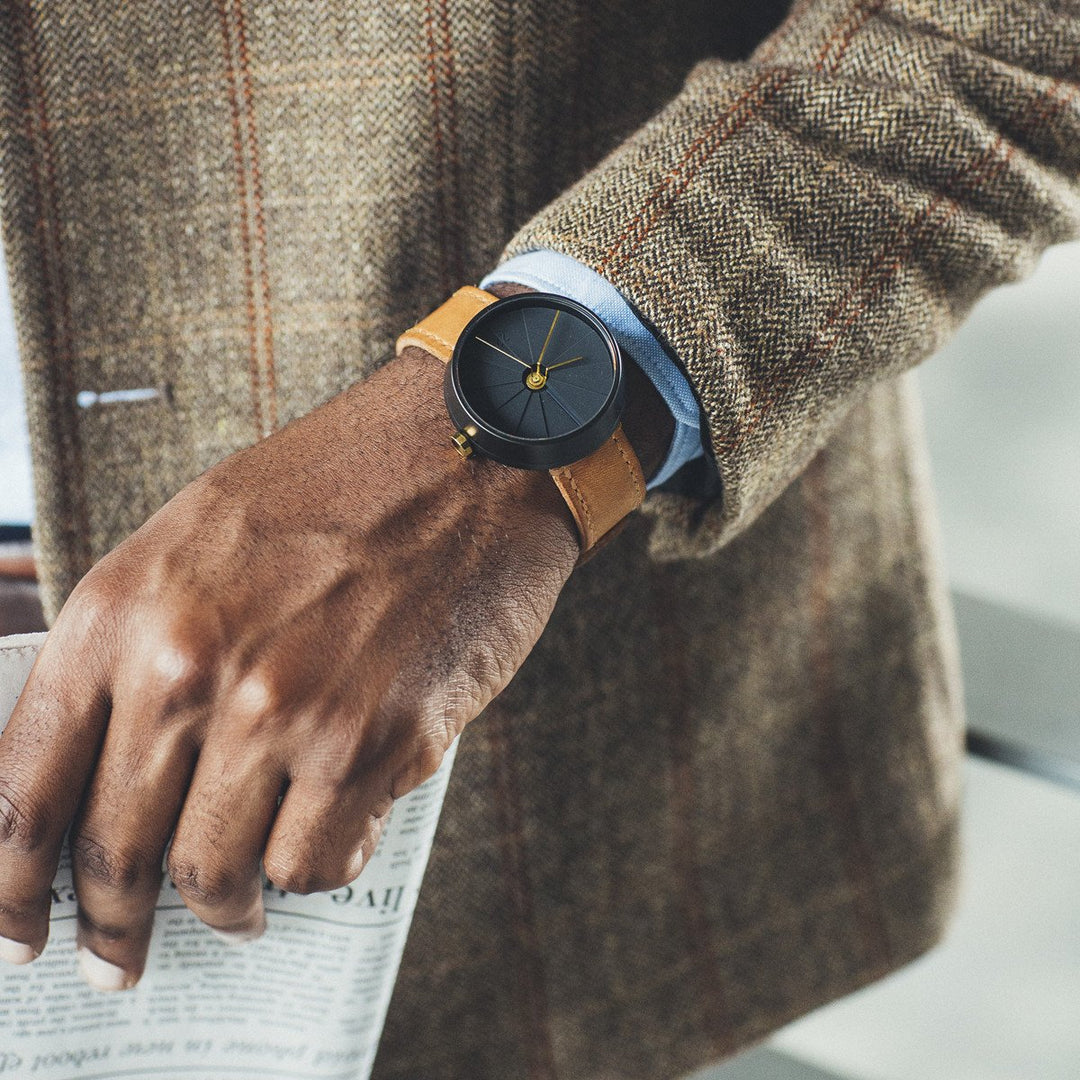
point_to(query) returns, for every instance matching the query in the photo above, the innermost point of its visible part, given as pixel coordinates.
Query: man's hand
(317, 617)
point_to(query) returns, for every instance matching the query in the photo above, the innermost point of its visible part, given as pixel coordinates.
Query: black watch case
(535, 381)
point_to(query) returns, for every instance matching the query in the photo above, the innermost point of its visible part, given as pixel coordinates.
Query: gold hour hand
(563, 363)
(503, 351)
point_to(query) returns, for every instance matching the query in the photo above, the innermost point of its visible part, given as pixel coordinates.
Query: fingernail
(17, 952)
(100, 974)
(237, 937)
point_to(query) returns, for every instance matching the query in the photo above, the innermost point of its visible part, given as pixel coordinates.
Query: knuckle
(379, 810)
(109, 931)
(428, 760)
(178, 671)
(421, 766)
(374, 830)
(22, 828)
(116, 869)
(298, 876)
(256, 699)
(210, 886)
(21, 909)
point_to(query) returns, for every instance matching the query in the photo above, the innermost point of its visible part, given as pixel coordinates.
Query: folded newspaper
(307, 999)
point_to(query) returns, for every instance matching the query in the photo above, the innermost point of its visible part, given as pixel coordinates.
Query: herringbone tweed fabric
(724, 787)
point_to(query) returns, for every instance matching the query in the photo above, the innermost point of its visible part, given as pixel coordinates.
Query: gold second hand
(504, 352)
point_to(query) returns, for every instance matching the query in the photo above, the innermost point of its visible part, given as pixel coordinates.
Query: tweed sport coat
(724, 787)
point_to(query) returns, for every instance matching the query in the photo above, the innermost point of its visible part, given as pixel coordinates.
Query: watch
(535, 380)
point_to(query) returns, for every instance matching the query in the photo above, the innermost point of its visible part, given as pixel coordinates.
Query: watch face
(536, 381)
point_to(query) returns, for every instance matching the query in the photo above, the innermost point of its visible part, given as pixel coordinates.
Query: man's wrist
(511, 495)
(647, 423)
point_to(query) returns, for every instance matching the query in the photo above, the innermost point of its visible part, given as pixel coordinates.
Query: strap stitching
(581, 499)
(565, 471)
(470, 294)
(423, 331)
(629, 466)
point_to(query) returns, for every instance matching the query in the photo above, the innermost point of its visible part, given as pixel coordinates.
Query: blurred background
(1001, 998)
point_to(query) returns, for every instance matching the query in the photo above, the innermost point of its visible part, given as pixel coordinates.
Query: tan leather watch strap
(601, 489)
(436, 333)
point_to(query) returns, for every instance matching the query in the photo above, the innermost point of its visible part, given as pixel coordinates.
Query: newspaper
(307, 999)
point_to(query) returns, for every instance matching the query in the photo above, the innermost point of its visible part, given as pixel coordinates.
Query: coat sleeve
(799, 226)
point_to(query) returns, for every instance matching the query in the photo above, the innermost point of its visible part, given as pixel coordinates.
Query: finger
(327, 829)
(47, 752)
(118, 844)
(323, 837)
(216, 854)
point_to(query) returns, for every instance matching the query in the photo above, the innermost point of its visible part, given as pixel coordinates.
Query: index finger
(47, 753)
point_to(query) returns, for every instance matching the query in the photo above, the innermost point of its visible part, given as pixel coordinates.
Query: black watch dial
(535, 381)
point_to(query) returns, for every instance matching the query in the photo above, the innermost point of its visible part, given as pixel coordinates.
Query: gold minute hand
(547, 339)
(563, 363)
(503, 351)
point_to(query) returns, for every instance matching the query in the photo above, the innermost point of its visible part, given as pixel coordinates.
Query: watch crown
(460, 439)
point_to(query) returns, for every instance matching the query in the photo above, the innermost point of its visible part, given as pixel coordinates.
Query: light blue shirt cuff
(554, 272)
